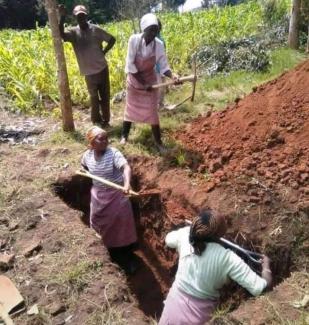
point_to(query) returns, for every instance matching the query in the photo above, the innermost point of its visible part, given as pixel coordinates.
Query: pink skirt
(183, 309)
(141, 105)
(111, 216)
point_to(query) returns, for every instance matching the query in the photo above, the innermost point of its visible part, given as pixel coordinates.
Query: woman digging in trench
(111, 214)
(204, 267)
(144, 51)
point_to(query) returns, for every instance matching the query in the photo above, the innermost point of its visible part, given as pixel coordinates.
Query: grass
(224, 89)
(108, 314)
(77, 276)
(60, 137)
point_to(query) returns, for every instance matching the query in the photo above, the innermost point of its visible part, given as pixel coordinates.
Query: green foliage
(246, 54)
(275, 11)
(222, 89)
(78, 275)
(21, 13)
(28, 68)
(250, 54)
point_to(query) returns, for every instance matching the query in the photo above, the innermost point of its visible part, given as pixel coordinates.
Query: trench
(157, 264)
(154, 276)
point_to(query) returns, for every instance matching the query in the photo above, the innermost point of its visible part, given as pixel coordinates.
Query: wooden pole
(293, 39)
(307, 49)
(63, 80)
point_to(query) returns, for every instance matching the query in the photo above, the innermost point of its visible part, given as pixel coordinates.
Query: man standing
(87, 39)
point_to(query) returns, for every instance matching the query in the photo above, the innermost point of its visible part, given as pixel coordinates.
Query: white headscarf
(148, 20)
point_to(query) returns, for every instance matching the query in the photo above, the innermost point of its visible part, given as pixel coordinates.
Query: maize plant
(28, 68)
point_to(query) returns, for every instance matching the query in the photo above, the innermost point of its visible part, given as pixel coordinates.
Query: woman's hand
(173, 76)
(140, 80)
(176, 80)
(266, 271)
(126, 188)
(148, 87)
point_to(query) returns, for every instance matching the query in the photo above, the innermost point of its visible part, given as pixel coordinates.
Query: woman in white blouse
(204, 267)
(144, 51)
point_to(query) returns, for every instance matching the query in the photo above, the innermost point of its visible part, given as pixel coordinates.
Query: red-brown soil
(264, 136)
(250, 162)
(255, 155)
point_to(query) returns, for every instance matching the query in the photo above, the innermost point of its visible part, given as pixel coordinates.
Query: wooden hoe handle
(5, 316)
(105, 181)
(190, 78)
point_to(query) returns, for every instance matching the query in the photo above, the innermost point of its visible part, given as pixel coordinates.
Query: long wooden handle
(104, 181)
(190, 78)
(5, 316)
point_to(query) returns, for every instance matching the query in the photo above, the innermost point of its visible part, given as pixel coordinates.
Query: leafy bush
(250, 54)
(246, 54)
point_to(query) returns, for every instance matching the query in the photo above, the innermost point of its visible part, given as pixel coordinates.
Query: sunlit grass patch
(60, 137)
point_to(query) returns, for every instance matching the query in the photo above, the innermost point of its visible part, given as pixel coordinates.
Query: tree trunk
(307, 49)
(63, 80)
(293, 40)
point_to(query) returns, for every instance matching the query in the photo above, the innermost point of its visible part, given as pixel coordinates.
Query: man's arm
(103, 36)
(66, 36)
(61, 27)
(110, 44)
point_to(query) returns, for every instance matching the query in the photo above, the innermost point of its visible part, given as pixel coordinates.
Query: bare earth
(250, 161)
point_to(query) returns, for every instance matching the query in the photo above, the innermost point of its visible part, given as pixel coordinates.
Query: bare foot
(123, 141)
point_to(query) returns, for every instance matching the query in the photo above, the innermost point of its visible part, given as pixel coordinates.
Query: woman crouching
(204, 267)
(111, 214)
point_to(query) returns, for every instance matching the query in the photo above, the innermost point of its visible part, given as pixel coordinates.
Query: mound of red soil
(265, 136)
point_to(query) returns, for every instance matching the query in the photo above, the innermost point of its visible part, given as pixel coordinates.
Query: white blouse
(146, 51)
(203, 276)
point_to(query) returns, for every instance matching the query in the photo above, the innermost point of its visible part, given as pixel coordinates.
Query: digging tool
(11, 301)
(171, 107)
(5, 317)
(113, 185)
(194, 83)
(191, 78)
(252, 256)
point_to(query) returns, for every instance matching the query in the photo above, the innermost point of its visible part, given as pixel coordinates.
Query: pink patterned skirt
(141, 105)
(111, 216)
(183, 309)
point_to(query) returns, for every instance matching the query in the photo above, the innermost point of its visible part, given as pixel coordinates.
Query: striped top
(108, 166)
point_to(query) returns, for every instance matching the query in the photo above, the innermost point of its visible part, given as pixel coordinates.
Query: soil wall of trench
(181, 197)
(250, 162)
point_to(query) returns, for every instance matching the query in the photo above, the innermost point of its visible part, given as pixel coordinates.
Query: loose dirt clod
(33, 247)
